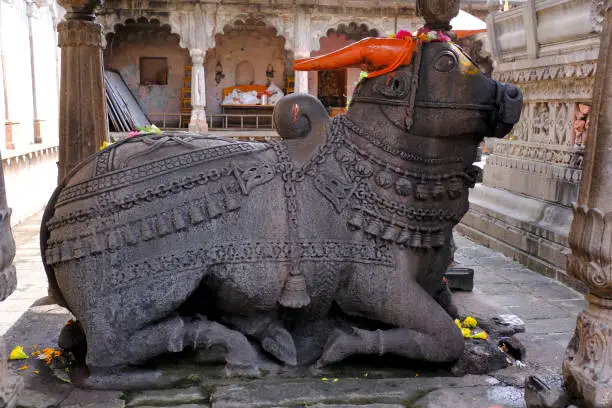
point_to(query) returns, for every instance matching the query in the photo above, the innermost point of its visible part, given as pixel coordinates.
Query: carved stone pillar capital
(197, 56)
(80, 9)
(73, 33)
(32, 9)
(438, 13)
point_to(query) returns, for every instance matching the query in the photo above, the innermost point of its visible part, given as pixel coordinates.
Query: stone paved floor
(548, 308)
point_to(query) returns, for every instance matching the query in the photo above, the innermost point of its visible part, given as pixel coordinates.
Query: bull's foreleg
(423, 330)
(273, 338)
(402, 342)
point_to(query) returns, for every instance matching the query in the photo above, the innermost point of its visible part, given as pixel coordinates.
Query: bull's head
(428, 90)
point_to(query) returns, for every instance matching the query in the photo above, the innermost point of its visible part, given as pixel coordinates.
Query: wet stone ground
(501, 286)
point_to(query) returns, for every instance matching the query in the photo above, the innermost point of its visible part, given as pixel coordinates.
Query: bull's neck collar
(389, 152)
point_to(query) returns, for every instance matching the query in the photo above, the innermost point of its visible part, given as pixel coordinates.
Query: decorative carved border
(548, 170)
(546, 73)
(551, 154)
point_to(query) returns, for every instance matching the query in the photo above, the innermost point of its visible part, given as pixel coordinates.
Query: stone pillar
(198, 123)
(32, 9)
(301, 77)
(9, 386)
(587, 368)
(83, 124)
(302, 48)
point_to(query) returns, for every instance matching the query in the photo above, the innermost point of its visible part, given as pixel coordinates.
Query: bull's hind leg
(424, 330)
(171, 335)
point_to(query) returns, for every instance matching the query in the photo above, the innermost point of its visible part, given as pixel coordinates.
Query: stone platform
(501, 286)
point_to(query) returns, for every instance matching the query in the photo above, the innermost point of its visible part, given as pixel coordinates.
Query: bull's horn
(379, 55)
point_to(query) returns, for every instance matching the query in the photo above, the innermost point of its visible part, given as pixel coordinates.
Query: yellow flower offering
(458, 323)
(18, 354)
(480, 336)
(470, 322)
(23, 367)
(105, 144)
(467, 333)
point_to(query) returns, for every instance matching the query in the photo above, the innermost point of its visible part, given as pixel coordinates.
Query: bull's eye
(446, 62)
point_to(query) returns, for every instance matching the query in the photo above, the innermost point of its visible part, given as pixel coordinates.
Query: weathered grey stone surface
(540, 393)
(479, 357)
(328, 244)
(93, 399)
(182, 396)
(353, 391)
(471, 397)
(545, 339)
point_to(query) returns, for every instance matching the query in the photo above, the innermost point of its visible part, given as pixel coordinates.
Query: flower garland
(423, 35)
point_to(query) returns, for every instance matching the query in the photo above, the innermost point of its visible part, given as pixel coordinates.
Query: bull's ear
(374, 53)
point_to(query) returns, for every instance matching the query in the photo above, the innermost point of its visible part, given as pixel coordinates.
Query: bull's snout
(509, 103)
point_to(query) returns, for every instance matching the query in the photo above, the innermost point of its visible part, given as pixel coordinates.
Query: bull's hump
(143, 158)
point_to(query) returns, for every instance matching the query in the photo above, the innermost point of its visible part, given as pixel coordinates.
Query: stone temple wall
(523, 208)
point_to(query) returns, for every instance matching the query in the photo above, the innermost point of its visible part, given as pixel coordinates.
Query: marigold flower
(470, 322)
(466, 333)
(56, 353)
(36, 371)
(23, 367)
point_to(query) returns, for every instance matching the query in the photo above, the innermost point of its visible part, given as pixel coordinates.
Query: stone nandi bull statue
(327, 244)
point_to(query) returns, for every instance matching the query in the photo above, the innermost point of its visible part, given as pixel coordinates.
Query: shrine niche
(153, 65)
(248, 57)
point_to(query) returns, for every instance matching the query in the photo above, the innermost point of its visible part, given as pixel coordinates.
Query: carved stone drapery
(83, 119)
(198, 123)
(588, 365)
(9, 386)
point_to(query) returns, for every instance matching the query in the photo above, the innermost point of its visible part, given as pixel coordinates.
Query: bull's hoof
(340, 346)
(280, 344)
